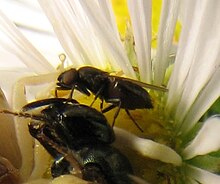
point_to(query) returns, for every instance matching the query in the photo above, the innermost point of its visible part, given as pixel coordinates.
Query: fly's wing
(132, 95)
(144, 85)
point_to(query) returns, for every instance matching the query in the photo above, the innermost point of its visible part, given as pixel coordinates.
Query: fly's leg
(130, 116)
(71, 93)
(101, 104)
(115, 103)
(110, 107)
(97, 95)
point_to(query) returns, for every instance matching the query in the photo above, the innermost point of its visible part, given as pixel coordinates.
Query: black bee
(119, 91)
(78, 137)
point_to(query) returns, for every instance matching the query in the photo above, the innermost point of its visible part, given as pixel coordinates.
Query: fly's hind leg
(115, 103)
(130, 116)
(97, 95)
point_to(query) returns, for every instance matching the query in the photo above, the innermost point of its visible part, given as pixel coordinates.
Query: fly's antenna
(24, 115)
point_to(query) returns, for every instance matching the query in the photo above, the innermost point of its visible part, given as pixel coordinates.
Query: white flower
(186, 150)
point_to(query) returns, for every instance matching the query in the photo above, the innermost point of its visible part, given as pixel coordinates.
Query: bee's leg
(60, 167)
(130, 116)
(55, 147)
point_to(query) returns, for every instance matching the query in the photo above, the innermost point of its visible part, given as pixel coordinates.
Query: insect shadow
(79, 138)
(120, 92)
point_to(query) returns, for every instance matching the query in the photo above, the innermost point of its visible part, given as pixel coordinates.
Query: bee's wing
(45, 102)
(146, 85)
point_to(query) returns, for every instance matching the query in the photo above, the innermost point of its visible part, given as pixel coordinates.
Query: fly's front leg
(71, 93)
(101, 104)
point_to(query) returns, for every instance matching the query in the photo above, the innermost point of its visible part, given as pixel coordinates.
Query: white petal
(192, 15)
(47, 44)
(86, 35)
(106, 8)
(17, 44)
(25, 141)
(20, 95)
(37, 30)
(73, 31)
(8, 141)
(206, 59)
(107, 37)
(206, 98)
(13, 74)
(206, 141)
(202, 176)
(147, 147)
(42, 160)
(63, 25)
(20, 12)
(197, 56)
(140, 13)
(165, 38)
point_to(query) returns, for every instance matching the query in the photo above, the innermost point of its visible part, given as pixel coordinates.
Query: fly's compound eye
(68, 77)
